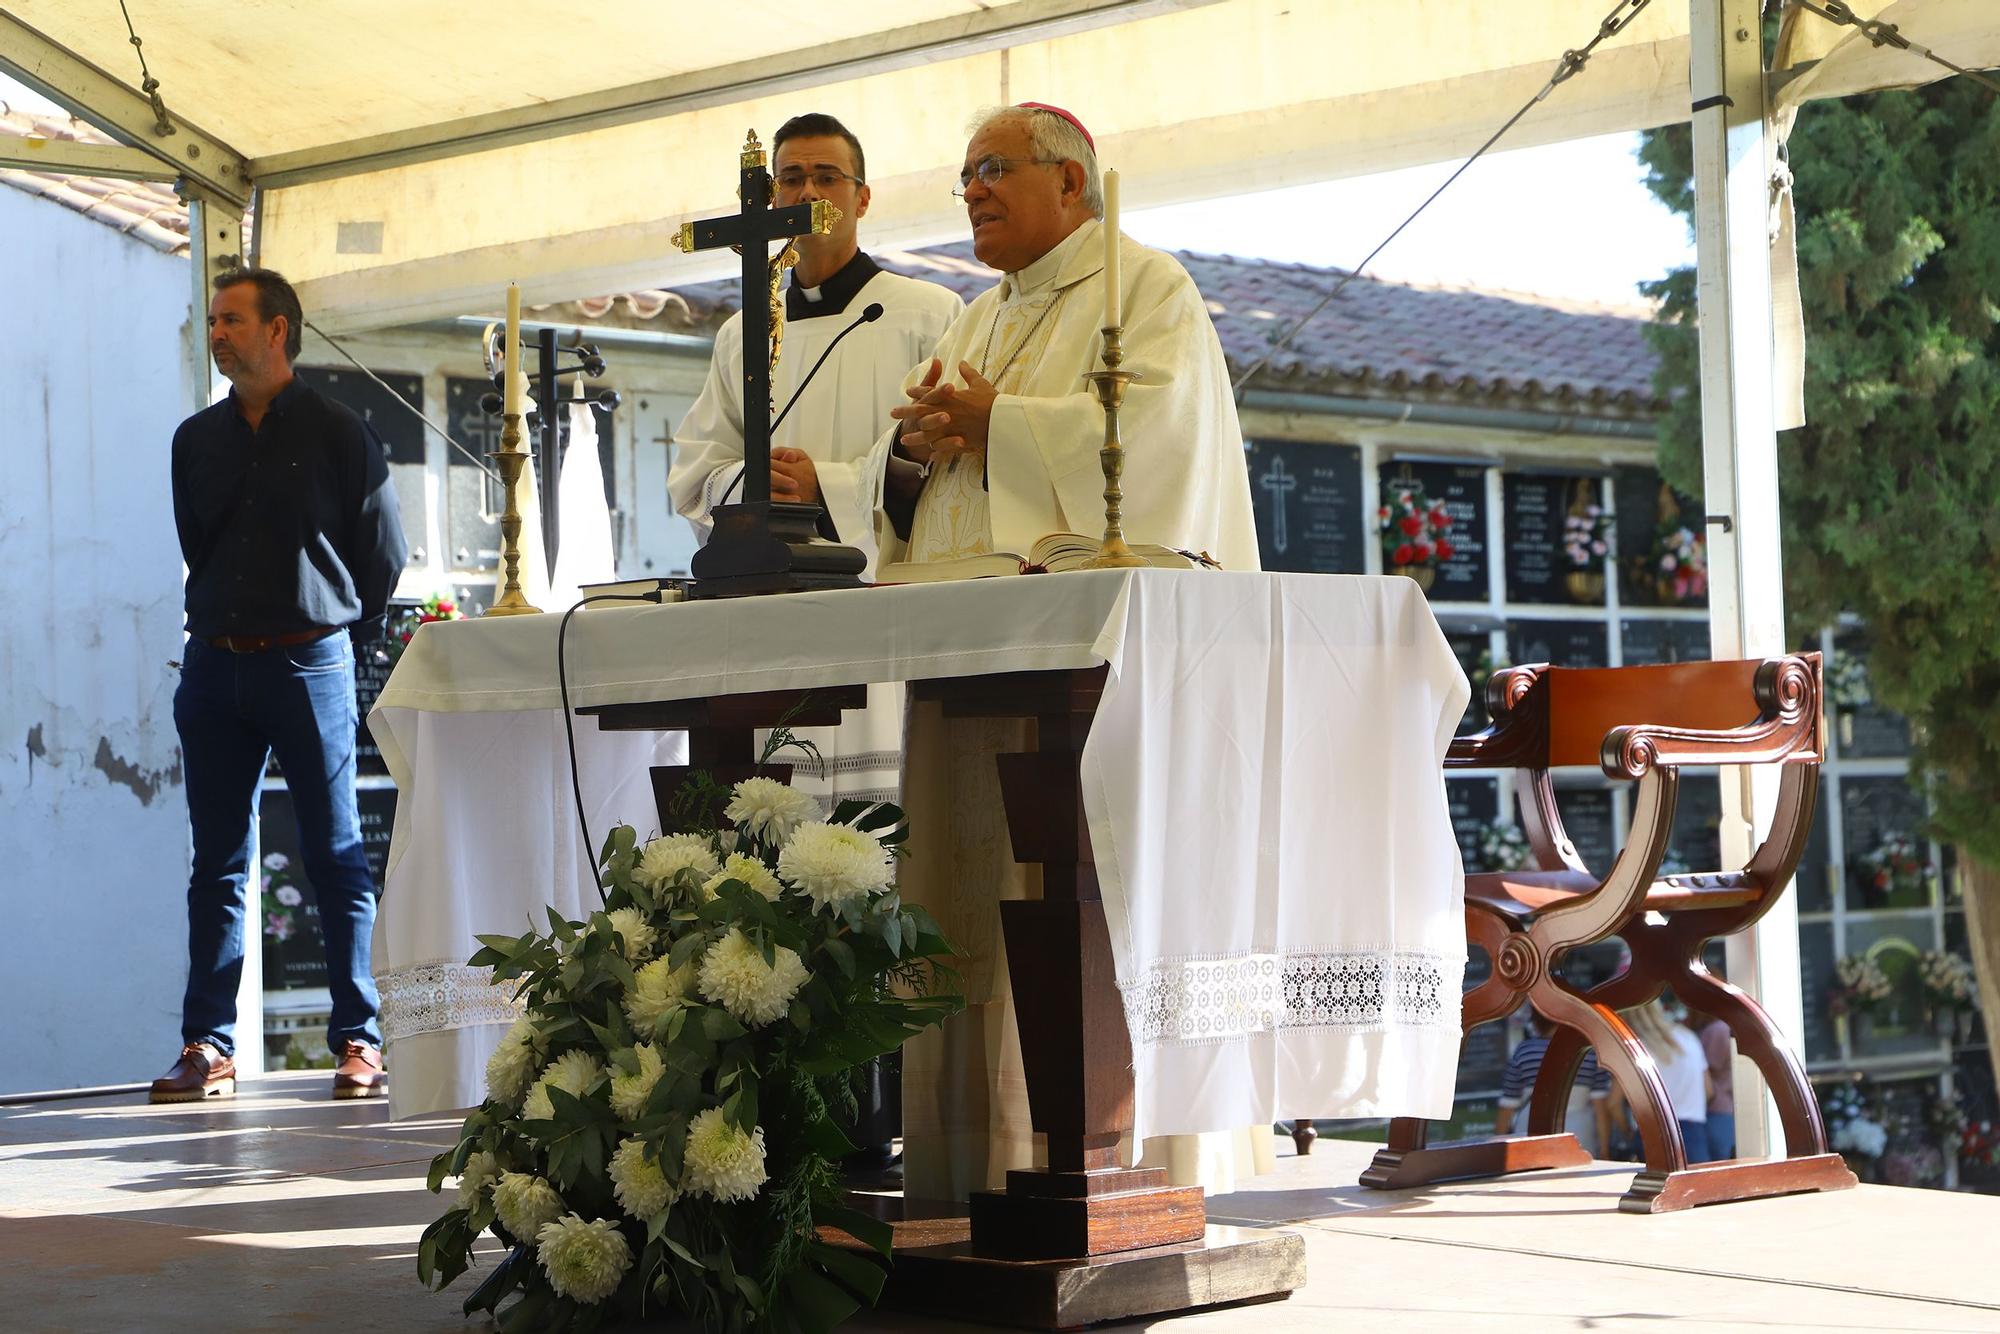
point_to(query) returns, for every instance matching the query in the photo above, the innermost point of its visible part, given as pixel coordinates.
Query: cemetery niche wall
(1506, 596)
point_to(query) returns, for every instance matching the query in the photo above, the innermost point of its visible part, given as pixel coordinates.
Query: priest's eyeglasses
(823, 178)
(989, 170)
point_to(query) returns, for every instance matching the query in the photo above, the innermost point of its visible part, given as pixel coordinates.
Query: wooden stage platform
(286, 1211)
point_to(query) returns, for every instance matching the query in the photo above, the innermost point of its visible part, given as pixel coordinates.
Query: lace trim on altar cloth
(434, 996)
(1212, 1000)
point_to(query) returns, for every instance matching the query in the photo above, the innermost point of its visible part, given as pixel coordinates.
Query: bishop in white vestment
(820, 450)
(997, 448)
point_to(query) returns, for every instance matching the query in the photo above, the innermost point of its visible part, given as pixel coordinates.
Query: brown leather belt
(258, 643)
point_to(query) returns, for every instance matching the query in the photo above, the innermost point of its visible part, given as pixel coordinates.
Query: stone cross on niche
(758, 547)
(1277, 482)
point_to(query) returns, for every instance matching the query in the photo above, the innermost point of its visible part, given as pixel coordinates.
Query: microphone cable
(569, 725)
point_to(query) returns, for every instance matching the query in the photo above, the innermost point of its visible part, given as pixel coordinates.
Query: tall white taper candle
(512, 382)
(1111, 248)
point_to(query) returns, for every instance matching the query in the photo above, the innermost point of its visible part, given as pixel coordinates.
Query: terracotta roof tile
(147, 210)
(1377, 339)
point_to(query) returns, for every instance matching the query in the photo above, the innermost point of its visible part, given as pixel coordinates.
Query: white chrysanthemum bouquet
(661, 1134)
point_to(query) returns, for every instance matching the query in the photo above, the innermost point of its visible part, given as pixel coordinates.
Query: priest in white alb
(997, 447)
(820, 450)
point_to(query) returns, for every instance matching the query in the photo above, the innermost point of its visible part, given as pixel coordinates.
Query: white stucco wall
(93, 819)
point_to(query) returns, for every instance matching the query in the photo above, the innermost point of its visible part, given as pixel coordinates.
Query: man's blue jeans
(233, 711)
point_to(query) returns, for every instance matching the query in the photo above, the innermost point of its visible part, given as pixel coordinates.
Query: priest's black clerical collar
(834, 293)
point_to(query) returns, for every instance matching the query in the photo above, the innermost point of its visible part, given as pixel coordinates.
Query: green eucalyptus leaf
(856, 1273)
(828, 1140)
(841, 953)
(818, 1304)
(685, 949)
(721, 1025)
(865, 1228)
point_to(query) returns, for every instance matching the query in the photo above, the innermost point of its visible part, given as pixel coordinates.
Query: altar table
(1263, 786)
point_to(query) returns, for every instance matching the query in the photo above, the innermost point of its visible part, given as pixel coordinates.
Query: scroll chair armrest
(1518, 737)
(1785, 731)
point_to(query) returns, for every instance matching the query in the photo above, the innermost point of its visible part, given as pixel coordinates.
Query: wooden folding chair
(1641, 724)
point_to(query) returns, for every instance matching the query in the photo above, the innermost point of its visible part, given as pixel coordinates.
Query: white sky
(1572, 220)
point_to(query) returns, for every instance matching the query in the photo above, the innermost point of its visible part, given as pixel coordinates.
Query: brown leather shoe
(201, 1072)
(360, 1073)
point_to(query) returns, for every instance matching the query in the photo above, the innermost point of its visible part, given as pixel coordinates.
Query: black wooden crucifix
(757, 546)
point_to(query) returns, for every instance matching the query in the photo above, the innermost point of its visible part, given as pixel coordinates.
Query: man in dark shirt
(289, 528)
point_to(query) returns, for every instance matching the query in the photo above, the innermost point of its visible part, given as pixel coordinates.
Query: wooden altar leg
(1082, 1240)
(1074, 1046)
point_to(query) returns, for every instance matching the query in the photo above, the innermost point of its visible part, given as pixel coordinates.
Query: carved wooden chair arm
(1518, 733)
(1786, 730)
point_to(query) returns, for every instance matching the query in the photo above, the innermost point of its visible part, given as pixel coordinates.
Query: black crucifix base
(763, 546)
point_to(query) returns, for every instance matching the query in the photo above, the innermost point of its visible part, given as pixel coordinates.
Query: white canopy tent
(408, 160)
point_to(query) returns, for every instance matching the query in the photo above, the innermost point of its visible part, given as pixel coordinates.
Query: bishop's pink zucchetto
(1058, 111)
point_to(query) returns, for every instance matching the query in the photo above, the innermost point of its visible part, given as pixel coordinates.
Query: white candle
(512, 381)
(1111, 248)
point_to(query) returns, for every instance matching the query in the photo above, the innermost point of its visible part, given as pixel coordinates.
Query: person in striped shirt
(1588, 1116)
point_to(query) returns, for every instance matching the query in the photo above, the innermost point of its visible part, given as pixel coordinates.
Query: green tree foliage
(1891, 493)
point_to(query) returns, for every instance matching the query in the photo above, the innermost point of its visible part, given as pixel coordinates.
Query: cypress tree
(1890, 494)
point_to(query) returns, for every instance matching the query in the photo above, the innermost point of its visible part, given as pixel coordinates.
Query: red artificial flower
(1440, 519)
(447, 608)
(1445, 549)
(1405, 554)
(1423, 551)
(1411, 526)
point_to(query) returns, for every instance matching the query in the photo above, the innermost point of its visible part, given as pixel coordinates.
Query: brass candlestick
(510, 458)
(1112, 553)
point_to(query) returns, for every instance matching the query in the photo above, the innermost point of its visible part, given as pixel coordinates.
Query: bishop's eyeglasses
(823, 178)
(988, 170)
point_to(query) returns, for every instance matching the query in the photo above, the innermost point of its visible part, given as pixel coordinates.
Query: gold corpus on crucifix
(787, 257)
(511, 459)
(757, 545)
(1109, 383)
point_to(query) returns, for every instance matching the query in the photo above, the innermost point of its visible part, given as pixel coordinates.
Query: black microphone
(868, 316)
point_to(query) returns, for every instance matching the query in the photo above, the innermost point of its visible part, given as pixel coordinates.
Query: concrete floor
(286, 1211)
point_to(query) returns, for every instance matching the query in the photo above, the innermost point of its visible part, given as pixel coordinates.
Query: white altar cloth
(1263, 782)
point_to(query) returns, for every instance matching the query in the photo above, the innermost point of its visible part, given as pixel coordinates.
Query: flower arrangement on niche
(1896, 869)
(403, 625)
(1979, 1144)
(1860, 987)
(1503, 846)
(1416, 535)
(282, 901)
(661, 1131)
(1587, 537)
(1680, 564)
(1847, 686)
(1853, 1127)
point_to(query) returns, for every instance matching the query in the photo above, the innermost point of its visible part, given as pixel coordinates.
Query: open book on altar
(1051, 555)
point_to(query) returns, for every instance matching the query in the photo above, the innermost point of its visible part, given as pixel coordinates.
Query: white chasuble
(966, 1121)
(1035, 335)
(836, 420)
